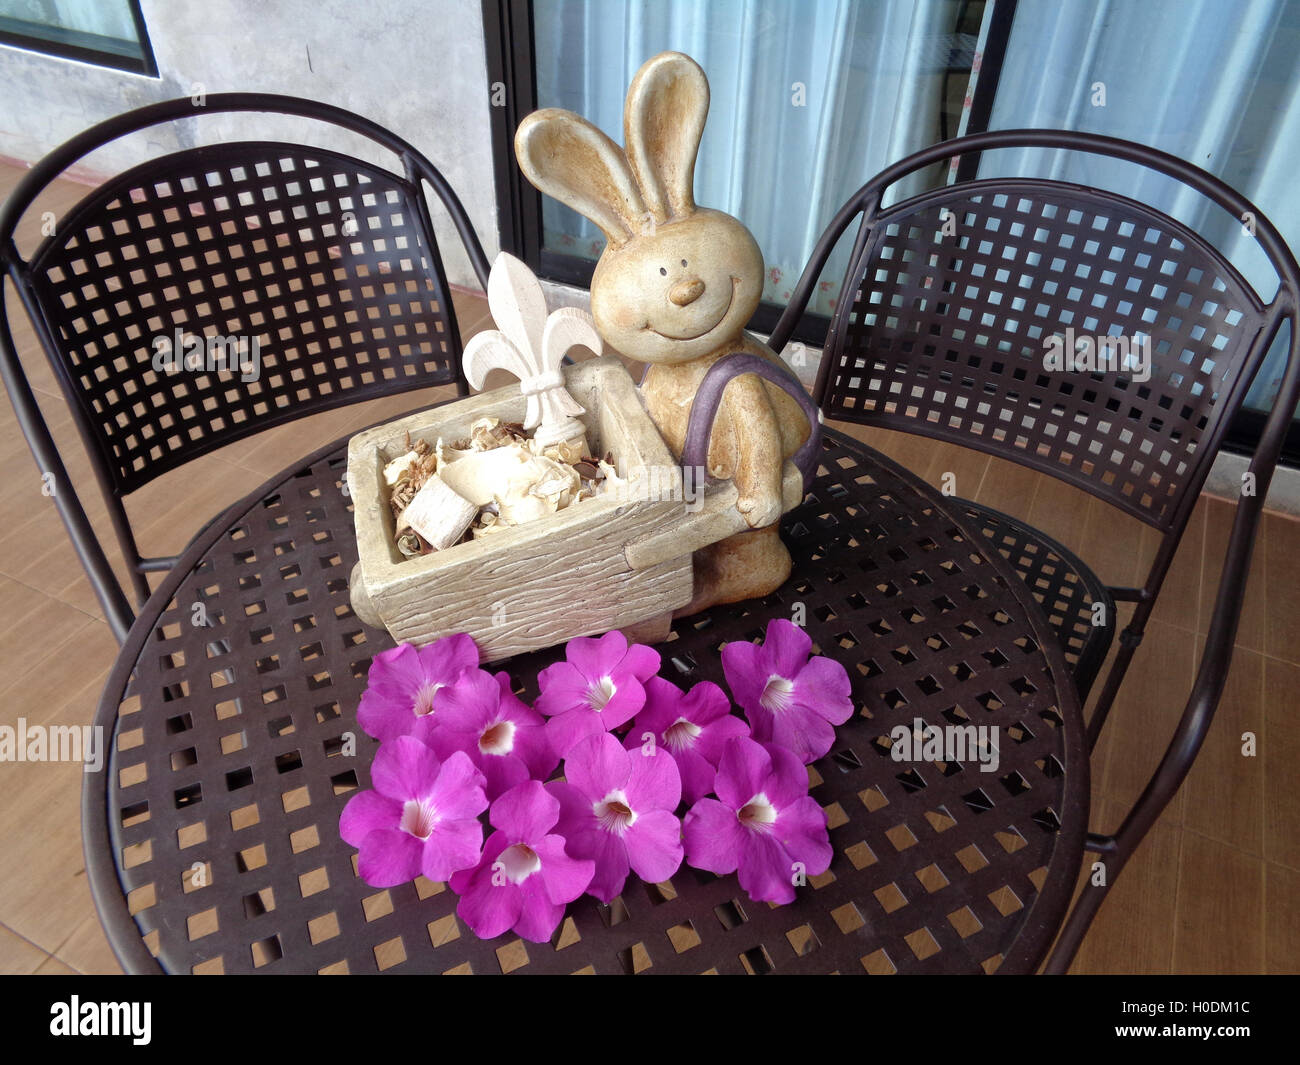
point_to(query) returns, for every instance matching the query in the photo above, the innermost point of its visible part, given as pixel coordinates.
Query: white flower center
(424, 698)
(757, 813)
(519, 862)
(499, 739)
(681, 734)
(600, 693)
(614, 814)
(776, 693)
(418, 818)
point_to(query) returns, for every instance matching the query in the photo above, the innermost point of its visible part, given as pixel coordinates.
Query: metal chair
(949, 303)
(203, 296)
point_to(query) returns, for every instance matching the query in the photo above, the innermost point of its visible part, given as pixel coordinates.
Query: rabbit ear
(567, 157)
(663, 121)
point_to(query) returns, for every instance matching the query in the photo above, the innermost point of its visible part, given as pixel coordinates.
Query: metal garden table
(212, 837)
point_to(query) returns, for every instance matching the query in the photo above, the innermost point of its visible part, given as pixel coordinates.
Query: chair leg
(1077, 925)
(141, 585)
(1129, 641)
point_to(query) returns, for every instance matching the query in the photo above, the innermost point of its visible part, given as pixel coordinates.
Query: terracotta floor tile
(1282, 564)
(18, 957)
(1220, 909)
(1280, 747)
(1281, 918)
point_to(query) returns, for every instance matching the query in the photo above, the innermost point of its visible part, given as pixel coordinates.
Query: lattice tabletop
(212, 838)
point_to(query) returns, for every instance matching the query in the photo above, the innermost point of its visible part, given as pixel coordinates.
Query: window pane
(809, 100)
(106, 27)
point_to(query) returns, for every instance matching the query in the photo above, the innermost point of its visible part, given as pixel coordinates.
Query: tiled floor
(1215, 888)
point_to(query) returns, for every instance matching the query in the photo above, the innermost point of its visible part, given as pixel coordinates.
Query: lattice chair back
(209, 294)
(1075, 332)
(200, 297)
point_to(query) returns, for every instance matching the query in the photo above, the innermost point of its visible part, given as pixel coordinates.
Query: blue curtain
(809, 99)
(1214, 82)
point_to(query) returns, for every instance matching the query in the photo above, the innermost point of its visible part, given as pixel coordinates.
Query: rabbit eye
(683, 262)
(663, 270)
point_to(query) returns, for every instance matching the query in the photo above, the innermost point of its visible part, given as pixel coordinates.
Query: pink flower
(421, 817)
(788, 698)
(404, 683)
(762, 823)
(504, 738)
(616, 808)
(524, 879)
(599, 687)
(692, 727)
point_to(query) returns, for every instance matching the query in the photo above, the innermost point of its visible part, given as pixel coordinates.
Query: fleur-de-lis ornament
(531, 344)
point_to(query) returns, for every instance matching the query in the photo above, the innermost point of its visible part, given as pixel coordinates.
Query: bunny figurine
(674, 288)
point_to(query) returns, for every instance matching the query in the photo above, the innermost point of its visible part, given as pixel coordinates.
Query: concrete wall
(415, 66)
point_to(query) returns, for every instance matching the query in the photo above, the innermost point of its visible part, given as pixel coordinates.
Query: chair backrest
(205, 295)
(1017, 316)
(208, 294)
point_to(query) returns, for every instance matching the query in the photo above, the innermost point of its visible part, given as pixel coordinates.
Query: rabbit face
(680, 291)
(676, 281)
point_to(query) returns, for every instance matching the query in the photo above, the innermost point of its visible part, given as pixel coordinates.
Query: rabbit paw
(759, 511)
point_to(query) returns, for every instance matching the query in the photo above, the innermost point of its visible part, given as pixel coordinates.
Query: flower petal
(607, 851)
(525, 813)
(746, 672)
(596, 658)
(663, 705)
(463, 882)
(654, 846)
(576, 813)
(786, 647)
(697, 775)
(788, 781)
(597, 765)
(444, 660)
(490, 909)
(625, 703)
(386, 710)
(743, 770)
(712, 837)
(458, 791)
(404, 768)
(715, 735)
(807, 734)
(565, 731)
(801, 829)
(388, 857)
(562, 688)
(565, 878)
(641, 661)
(501, 773)
(654, 782)
(365, 812)
(539, 917)
(823, 686)
(706, 702)
(470, 703)
(766, 871)
(451, 847)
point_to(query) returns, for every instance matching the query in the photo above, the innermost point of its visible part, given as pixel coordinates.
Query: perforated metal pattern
(1064, 587)
(955, 299)
(321, 260)
(230, 761)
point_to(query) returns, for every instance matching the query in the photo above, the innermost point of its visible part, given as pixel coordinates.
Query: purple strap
(699, 427)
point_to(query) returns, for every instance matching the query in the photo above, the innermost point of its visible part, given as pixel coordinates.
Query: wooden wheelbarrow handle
(716, 517)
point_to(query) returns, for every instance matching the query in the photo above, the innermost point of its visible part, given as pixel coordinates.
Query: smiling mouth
(735, 283)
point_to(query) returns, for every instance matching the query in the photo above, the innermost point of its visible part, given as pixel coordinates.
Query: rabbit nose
(685, 293)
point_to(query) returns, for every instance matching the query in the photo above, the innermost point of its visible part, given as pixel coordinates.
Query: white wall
(415, 66)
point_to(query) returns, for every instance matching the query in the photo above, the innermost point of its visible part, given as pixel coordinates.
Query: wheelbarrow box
(609, 562)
